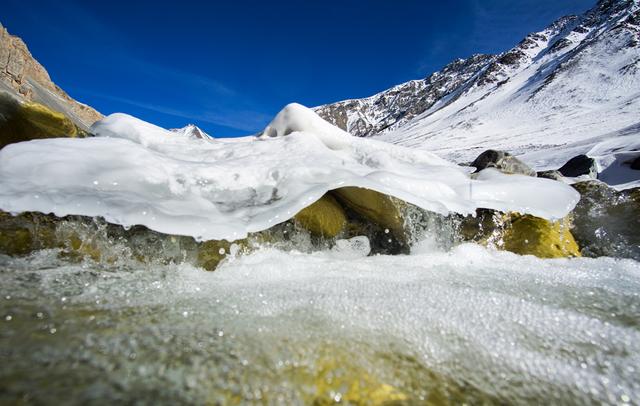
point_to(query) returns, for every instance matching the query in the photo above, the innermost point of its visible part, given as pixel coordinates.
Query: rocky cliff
(22, 76)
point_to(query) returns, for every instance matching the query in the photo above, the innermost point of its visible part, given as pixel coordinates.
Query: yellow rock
(26, 232)
(17, 241)
(212, 252)
(339, 383)
(324, 218)
(529, 235)
(377, 207)
(28, 121)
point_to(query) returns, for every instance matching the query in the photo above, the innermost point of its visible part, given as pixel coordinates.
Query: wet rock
(340, 383)
(78, 238)
(606, 222)
(211, 253)
(521, 234)
(503, 161)
(529, 235)
(382, 210)
(25, 233)
(486, 228)
(324, 218)
(635, 164)
(578, 166)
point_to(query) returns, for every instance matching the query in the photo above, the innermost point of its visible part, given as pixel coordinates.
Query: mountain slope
(560, 91)
(27, 80)
(392, 108)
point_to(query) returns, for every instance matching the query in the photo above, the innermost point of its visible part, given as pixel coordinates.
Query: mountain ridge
(452, 103)
(26, 80)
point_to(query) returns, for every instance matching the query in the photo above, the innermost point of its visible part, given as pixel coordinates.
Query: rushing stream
(468, 325)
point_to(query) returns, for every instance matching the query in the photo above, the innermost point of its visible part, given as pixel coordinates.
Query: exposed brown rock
(27, 80)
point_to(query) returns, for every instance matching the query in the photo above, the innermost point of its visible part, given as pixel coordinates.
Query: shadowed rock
(503, 161)
(29, 121)
(578, 166)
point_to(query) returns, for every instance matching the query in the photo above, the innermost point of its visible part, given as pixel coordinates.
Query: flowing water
(465, 325)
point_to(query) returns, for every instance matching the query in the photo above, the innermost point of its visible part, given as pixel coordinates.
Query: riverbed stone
(382, 210)
(530, 235)
(325, 217)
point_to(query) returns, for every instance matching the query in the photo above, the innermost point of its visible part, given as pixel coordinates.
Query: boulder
(553, 174)
(529, 235)
(378, 208)
(503, 161)
(578, 166)
(635, 164)
(324, 218)
(521, 234)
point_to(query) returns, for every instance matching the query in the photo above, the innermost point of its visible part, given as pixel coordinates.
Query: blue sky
(230, 66)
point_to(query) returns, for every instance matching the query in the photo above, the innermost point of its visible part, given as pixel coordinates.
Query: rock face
(394, 107)
(28, 121)
(25, 79)
(578, 166)
(503, 161)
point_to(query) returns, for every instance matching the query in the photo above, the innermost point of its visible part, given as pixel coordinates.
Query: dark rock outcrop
(503, 161)
(578, 166)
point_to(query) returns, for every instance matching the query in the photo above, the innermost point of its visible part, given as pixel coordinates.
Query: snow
(552, 105)
(191, 130)
(134, 172)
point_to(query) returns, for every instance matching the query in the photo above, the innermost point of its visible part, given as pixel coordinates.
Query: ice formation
(134, 172)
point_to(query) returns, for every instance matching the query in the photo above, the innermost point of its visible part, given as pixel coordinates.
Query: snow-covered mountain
(558, 93)
(191, 130)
